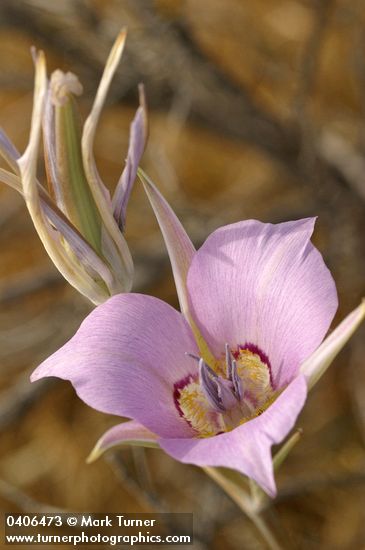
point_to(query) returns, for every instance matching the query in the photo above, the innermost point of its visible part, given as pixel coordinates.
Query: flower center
(216, 401)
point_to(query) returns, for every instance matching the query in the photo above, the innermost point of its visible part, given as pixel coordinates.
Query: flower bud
(78, 222)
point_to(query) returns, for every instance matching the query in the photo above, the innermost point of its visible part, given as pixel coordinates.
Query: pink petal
(126, 433)
(125, 359)
(266, 285)
(248, 447)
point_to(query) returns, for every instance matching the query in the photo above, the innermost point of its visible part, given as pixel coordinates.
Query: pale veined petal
(263, 284)
(125, 360)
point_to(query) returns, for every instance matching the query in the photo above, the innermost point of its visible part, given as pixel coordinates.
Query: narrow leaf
(317, 364)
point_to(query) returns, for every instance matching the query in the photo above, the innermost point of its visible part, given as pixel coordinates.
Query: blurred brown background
(257, 110)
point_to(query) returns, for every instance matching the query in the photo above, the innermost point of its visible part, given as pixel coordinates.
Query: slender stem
(257, 496)
(264, 530)
(283, 452)
(245, 503)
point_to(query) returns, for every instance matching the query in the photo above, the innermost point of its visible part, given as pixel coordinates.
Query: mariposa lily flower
(79, 224)
(221, 382)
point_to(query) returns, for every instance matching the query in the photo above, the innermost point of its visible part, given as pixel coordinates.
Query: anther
(208, 382)
(229, 359)
(236, 381)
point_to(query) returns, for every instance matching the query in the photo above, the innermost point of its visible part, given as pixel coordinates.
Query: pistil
(214, 402)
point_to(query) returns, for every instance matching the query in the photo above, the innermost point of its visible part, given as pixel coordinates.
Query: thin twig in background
(146, 500)
(143, 472)
(307, 485)
(307, 73)
(27, 282)
(19, 398)
(359, 67)
(24, 502)
(345, 159)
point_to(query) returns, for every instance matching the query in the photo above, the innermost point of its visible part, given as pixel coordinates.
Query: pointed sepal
(127, 433)
(179, 246)
(317, 364)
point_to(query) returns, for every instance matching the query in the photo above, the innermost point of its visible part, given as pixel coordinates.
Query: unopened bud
(69, 182)
(62, 85)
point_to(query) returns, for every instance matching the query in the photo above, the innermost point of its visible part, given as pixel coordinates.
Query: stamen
(208, 382)
(232, 374)
(229, 359)
(192, 356)
(236, 381)
(225, 393)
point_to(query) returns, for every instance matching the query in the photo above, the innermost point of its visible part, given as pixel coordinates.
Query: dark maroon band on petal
(178, 386)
